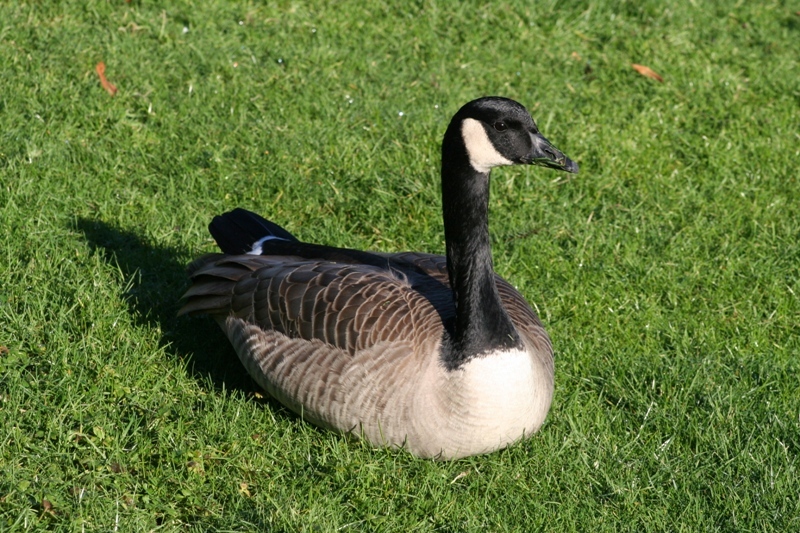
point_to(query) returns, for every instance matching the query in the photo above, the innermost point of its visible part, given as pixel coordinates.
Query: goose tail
(241, 231)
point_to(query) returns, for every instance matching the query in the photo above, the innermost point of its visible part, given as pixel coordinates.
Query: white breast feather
(491, 402)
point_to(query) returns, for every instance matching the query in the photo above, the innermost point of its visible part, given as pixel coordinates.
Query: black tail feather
(237, 231)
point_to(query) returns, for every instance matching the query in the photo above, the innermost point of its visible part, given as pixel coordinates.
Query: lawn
(667, 271)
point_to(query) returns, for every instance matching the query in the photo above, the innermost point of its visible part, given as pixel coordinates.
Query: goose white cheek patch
(256, 249)
(483, 156)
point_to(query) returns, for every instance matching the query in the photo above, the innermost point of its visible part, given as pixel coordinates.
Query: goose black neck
(482, 324)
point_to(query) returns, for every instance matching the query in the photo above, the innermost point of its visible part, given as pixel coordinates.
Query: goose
(434, 354)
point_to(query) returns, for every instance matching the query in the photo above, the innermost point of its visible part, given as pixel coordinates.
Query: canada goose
(435, 354)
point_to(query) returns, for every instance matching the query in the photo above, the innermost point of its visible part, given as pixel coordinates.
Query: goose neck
(482, 325)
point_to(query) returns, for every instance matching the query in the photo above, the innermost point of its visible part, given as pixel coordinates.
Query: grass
(667, 271)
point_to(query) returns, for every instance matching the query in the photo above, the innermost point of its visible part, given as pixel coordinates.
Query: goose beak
(545, 154)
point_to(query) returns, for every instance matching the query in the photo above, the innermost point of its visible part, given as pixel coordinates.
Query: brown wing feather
(350, 307)
(347, 306)
(525, 319)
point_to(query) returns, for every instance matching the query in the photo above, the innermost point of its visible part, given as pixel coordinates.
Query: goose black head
(498, 131)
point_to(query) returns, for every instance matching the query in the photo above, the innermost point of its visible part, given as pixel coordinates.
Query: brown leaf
(47, 507)
(4, 350)
(100, 68)
(647, 71)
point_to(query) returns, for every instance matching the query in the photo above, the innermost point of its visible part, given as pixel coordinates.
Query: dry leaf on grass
(647, 71)
(100, 68)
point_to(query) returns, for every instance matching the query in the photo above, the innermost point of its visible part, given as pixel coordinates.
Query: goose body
(436, 354)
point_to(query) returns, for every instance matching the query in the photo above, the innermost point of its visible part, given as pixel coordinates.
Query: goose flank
(434, 354)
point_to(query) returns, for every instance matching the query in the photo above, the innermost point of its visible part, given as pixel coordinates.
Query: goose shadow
(156, 279)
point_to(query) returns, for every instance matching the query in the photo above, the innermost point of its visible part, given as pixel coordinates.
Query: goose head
(494, 131)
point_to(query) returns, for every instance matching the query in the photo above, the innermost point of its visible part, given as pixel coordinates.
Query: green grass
(667, 271)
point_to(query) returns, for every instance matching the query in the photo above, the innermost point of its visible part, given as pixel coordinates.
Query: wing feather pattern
(347, 306)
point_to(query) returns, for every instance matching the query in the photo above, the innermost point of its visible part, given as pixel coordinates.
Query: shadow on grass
(157, 281)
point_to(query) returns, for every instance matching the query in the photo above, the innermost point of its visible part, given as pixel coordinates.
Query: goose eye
(500, 126)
